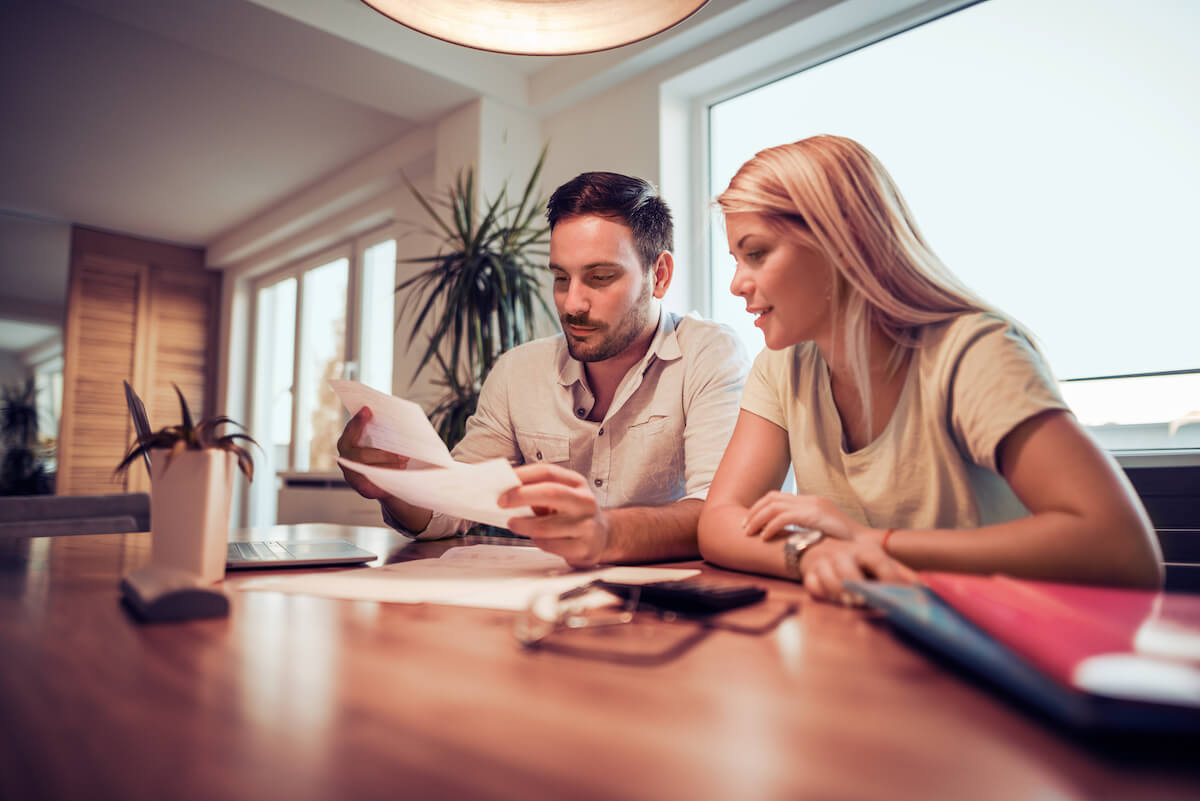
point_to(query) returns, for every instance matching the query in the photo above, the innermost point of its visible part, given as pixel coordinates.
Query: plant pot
(190, 502)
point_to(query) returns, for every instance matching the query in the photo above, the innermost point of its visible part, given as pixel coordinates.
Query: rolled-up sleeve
(713, 386)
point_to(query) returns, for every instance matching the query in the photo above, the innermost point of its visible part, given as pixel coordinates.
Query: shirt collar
(664, 346)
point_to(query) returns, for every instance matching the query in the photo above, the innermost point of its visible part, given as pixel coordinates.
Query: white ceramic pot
(190, 500)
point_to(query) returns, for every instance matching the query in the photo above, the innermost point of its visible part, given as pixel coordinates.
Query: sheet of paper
(469, 491)
(486, 576)
(397, 425)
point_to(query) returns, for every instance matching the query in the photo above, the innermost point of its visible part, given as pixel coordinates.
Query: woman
(924, 429)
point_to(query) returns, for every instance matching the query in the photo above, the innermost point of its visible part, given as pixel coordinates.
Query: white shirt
(660, 441)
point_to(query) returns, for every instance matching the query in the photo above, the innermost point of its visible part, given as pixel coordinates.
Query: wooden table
(297, 698)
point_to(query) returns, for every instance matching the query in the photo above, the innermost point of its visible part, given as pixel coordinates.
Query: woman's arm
(751, 472)
(1085, 524)
(755, 462)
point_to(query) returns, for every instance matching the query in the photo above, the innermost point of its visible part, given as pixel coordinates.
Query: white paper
(486, 576)
(469, 491)
(397, 425)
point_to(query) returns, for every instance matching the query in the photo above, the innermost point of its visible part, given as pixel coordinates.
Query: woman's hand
(850, 552)
(771, 513)
(832, 561)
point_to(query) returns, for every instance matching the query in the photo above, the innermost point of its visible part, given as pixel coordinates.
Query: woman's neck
(886, 377)
(880, 365)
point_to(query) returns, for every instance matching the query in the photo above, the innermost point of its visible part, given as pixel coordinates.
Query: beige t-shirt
(971, 381)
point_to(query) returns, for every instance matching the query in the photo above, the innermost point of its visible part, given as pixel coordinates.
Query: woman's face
(785, 279)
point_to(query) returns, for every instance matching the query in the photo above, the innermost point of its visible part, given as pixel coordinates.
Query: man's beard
(603, 346)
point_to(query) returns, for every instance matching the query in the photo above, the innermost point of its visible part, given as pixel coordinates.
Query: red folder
(1125, 644)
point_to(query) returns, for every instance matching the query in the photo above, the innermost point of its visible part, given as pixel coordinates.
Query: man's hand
(569, 522)
(348, 448)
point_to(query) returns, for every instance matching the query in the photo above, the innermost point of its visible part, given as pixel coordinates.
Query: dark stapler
(161, 593)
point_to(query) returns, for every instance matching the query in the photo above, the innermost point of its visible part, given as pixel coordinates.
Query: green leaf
(480, 294)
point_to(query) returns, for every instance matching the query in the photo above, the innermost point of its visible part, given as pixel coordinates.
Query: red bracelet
(883, 542)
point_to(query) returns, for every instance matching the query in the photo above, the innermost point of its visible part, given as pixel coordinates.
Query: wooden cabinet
(136, 310)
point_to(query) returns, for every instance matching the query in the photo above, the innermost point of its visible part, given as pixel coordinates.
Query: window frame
(1122, 441)
(353, 250)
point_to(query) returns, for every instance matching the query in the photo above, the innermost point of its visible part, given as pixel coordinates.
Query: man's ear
(664, 270)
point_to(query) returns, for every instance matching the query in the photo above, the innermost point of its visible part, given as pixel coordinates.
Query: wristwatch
(795, 546)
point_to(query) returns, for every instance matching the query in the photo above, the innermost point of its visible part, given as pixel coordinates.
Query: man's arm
(712, 392)
(570, 522)
(654, 533)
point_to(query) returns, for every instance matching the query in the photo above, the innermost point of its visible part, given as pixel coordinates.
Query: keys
(278, 550)
(267, 551)
(262, 551)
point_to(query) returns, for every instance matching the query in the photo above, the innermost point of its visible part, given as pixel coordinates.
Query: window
(378, 315)
(48, 391)
(1052, 167)
(275, 349)
(322, 356)
(325, 318)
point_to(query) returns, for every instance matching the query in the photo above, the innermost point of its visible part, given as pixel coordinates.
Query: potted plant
(23, 471)
(192, 470)
(482, 289)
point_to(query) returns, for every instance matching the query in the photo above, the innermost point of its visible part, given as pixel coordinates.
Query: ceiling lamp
(538, 27)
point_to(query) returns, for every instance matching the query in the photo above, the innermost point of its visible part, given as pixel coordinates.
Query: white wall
(35, 256)
(12, 371)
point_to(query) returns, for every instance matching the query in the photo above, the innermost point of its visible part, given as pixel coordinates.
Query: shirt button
(599, 482)
(539, 455)
(580, 412)
(602, 432)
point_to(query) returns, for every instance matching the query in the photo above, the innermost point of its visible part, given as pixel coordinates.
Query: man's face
(601, 289)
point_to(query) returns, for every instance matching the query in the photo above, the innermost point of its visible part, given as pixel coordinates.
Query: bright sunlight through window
(1048, 151)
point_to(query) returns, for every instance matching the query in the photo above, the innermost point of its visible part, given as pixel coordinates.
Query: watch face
(794, 547)
(805, 537)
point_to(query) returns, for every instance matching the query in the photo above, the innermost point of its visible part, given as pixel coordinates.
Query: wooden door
(105, 301)
(138, 311)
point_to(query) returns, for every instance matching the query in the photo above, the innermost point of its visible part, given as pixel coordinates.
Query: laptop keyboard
(267, 551)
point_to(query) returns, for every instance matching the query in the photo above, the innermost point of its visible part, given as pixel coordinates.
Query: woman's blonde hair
(836, 191)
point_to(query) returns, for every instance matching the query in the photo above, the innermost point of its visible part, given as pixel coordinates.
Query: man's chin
(582, 353)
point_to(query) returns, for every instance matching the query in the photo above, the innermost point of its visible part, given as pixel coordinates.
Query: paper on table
(397, 425)
(469, 491)
(487, 576)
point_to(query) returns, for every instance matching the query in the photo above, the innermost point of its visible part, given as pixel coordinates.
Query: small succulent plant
(189, 436)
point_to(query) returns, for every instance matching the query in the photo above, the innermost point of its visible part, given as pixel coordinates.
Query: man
(618, 424)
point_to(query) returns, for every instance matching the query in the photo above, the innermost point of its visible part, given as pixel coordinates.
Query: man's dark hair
(632, 201)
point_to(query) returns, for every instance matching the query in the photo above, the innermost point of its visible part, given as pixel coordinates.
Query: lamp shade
(538, 27)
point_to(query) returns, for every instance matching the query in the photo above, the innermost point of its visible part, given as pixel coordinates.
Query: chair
(1171, 496)
(58, 515)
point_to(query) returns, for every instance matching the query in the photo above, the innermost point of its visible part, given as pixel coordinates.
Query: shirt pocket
(538, 447)
(653, 425)
(657, 443)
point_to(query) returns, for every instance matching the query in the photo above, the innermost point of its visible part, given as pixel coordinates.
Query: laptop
(294, 553)
(265, 553)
